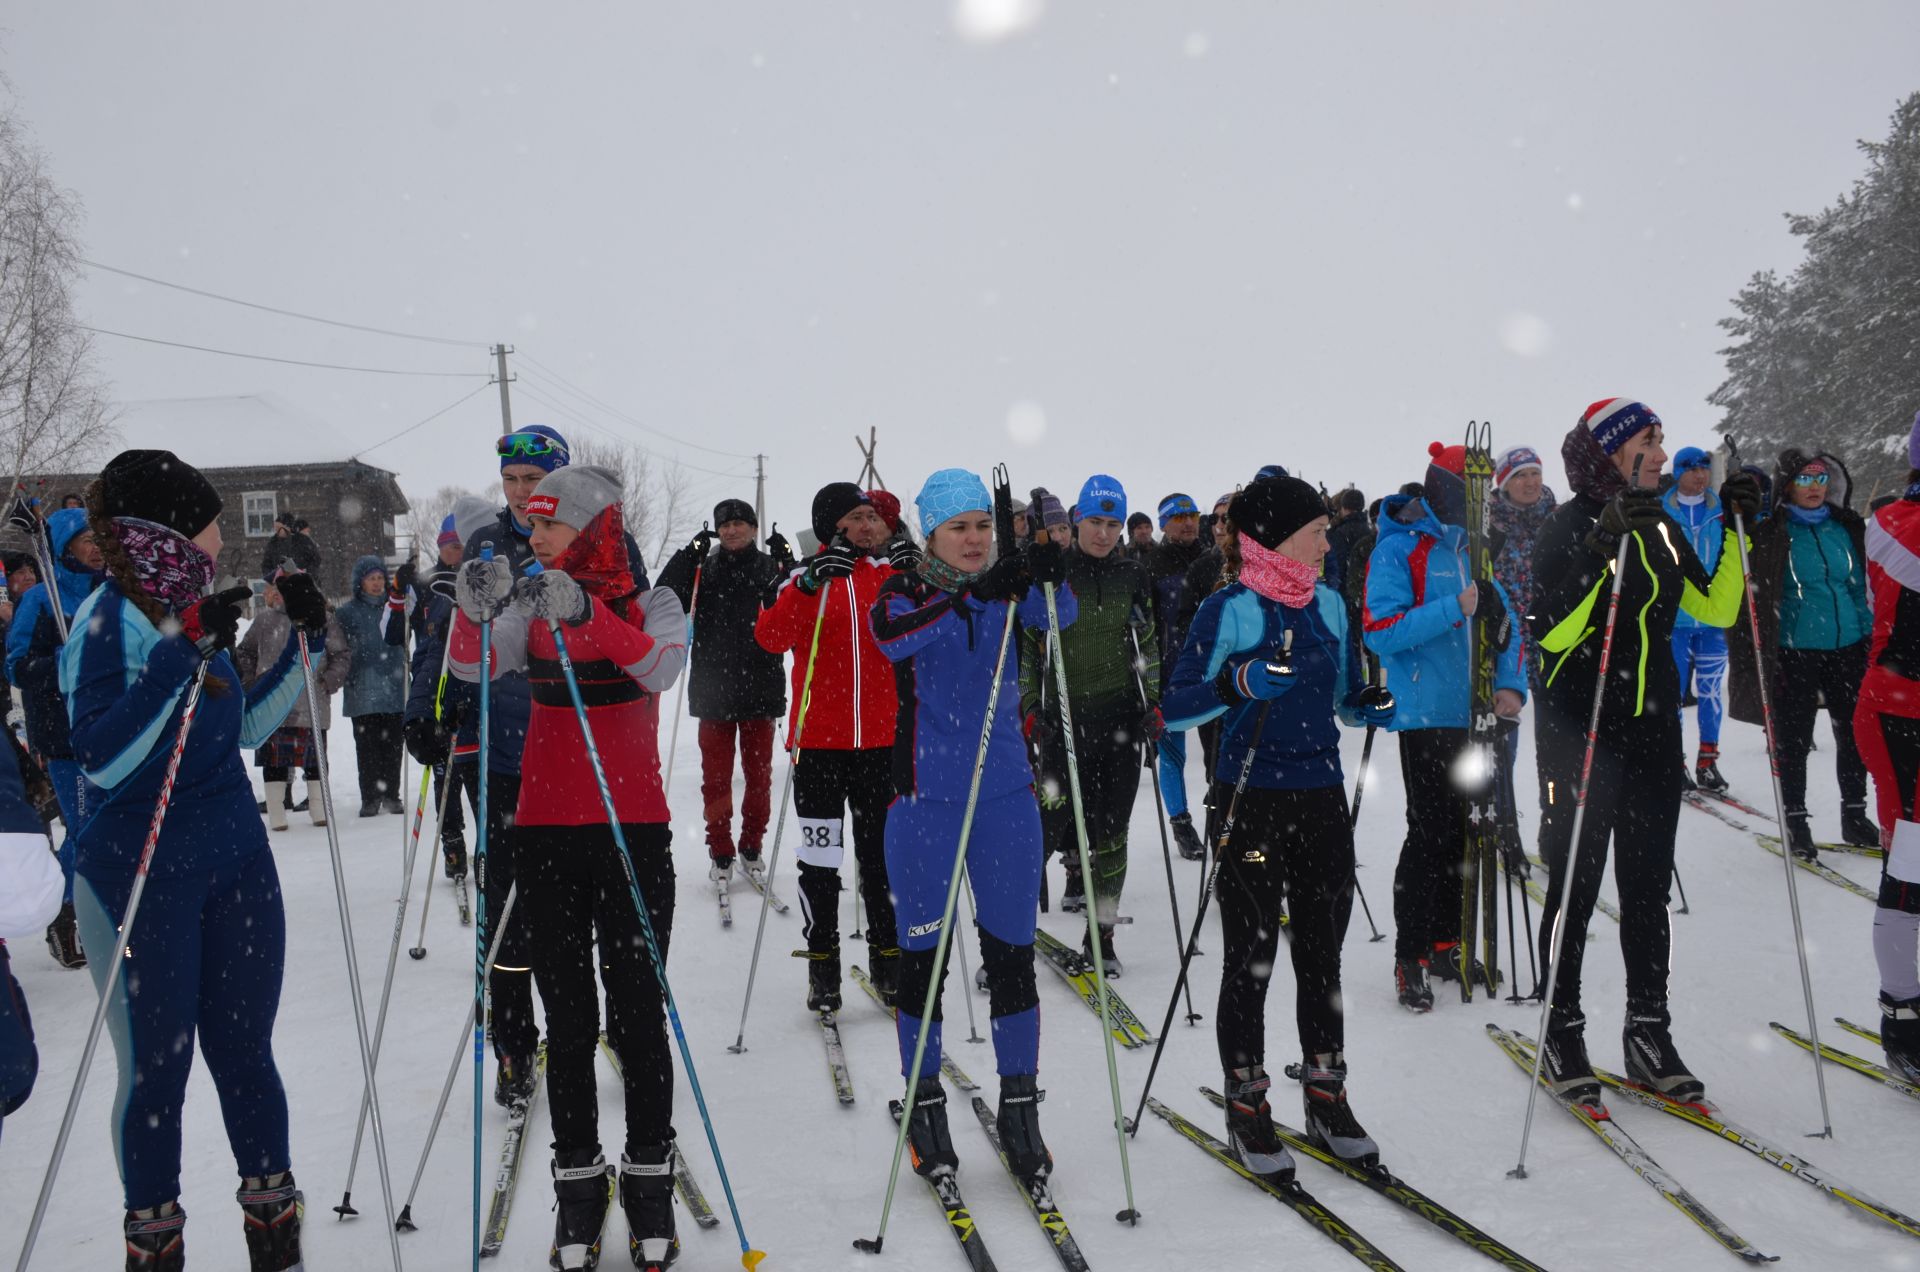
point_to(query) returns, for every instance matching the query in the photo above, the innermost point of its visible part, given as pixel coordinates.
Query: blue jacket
(373, 685)
(1705, 527)
(126, 687)
(1299, 749)
(943, 650)
(1413, 621)
(33, 641)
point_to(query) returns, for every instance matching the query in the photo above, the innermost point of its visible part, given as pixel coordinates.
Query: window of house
(260, 507)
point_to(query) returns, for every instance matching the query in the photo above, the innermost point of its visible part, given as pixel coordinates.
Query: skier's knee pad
(1010, 983)
(916, 973)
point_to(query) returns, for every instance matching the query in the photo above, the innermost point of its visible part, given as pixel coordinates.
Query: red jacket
(854, 700)
(1892, 683)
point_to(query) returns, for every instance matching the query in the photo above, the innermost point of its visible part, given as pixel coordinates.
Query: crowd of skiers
(988, 671)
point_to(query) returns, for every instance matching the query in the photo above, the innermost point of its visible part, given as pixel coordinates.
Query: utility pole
(501, 378)
(760, 490)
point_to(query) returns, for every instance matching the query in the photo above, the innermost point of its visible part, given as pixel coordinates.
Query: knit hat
(1613, 421)
(1514, 462)
(734, 510)
(1451, 459)
(471, 514)
(448, 534)
(1446, 484)
(159, 486)
(1101, 496)
(947, 494)
(835, 500)
(575, 495)
(514, 447)
(1046, 508)
(1269, 471)
(1272, 509)
(1138, 519)
(887, 504)
(1691, 457)
(1179, 505)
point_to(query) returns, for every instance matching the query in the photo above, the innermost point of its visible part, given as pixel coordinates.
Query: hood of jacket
(1590, 470)
(75, 582)
(1793, 462)
(368, 564)
(1426, 521)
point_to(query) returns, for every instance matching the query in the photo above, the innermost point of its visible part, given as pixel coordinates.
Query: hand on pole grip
(22, 517)
(1376, 706)
(903, 555)
(212, 623)
(702, 543)
(1740, 493)
(1047, 563)
(1005, 580)
(483, 588)
(300, 596)
(1253, 679)
(551, 596)
(834, 560)
(779, 549)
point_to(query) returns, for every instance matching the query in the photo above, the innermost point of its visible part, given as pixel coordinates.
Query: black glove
(1047, 562)
(22, 517)
(780, 550)
(212, 623)
(1005, 580)
(1375, 704)
(703, 543)
(403, 578)
(1153, 725)
(903, 556)
(1492, 611)
(304, 604)
(1630, 511)
(1741, 493)
(429, 741)
(833, 561)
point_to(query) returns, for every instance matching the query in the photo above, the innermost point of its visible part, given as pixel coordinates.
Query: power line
(430, 419)
(570, 387)
(578, 418)
(284, 313)
(292, 362)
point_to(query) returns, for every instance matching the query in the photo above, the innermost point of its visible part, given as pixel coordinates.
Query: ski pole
(1130, 1215)
(1209, 877)
(112, 974)
(872, 1245)
(749, 1257)
(966, 982)
(1557, 942)
(405, 1221)
(680, 702)
(1780, 814)
(1353, 824)
(22, 517)
(447, 785)
(1684, 907)
(780, 827)
(1150, 758)
(480, 949)
(409, 854)
(856, 934)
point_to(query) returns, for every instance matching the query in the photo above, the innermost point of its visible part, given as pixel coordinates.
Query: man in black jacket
(735, 688)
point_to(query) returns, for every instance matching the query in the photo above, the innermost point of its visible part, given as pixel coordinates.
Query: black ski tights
(1804, 678)
(1295, 848)
(1426, 883)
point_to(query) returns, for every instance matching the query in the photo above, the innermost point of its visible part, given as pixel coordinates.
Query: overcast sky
(1168, 241)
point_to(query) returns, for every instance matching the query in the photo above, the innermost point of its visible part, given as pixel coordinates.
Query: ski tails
(1847, 1060)
(500, 1204)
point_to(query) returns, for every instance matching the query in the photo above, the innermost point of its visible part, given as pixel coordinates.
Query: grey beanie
(575, 495)
(472, 514)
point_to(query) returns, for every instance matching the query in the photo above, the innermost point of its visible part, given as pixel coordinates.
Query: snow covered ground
(810, 1174)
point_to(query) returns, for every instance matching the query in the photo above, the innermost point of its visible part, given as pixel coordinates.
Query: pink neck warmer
(1276, 577)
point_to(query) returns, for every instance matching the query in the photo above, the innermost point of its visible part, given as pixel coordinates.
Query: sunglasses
(1810, 479)
(526, 445)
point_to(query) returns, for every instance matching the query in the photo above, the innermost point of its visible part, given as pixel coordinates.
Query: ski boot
(1800, 836)
(391, 804)
(886, 973)
(156, 1238)
(1027, 1154)
(513, 1081)
(927, 1137)
(1073, 898)
(314, 806)
(1330, 1121)
(1857, 828)
(271, 1207)
(1688, 782)
(1250, 1133)
(582, 1192)
(1414, 986)
(1652, 1059)
(276, 806)
(720, 870)
(453, 853)
(369, 808)
(646, 1194)
(1186, 838)
(1112, 966)
(1566, 1068)
(1445, 964)
(823, 978)
(1900, 1035)
(63, 939)
(754, 868)
(981, 981)
(1706, 770)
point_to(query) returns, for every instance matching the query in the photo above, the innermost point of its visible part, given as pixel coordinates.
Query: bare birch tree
(656, 498)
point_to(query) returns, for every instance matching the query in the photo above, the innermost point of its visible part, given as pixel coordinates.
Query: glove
(1630, 511)
(1005, 580)
(780, 550)
(1256, 678)
(1153, 725)
(482, 587)
(446, 585)
(22, 517)
(834, 561)
(1047, 562)
(1492, 611)
(1375, 704)
(429, 741)
(1037, 730)
(1741, 493)
(553, 596)
(903, 556)
(304, 604)
(403, 578)
(702, 544)
(212, 623)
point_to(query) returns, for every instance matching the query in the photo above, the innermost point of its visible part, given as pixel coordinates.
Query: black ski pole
(1684, 907)
(1149, 755)
(1353, 824)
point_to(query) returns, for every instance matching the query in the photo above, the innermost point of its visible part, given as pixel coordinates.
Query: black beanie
(734, 510)
(159, 486)
(1273, 508)
(835, 500)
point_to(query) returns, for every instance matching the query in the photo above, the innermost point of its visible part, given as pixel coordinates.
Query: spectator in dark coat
(374, 697)
(289, 545)
(1349, 524)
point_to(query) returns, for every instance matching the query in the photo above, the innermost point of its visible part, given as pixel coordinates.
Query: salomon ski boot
(1565, 1065)
(823, 978)
(1027, 1153)
(1186, 838)
(1329, 1119)
(1900, 1035)
(582, 1192)
(646, 1194)
(453, 856)
(927, 1136)
(1250, 1133)
(1073, 898)
(1652, 1059)
(1857, 828)
(271, 1208)
(513, 1081)
(1414, 985)
(1800, 836)
(1706, 771)
(156, 1238)
(1111, 964)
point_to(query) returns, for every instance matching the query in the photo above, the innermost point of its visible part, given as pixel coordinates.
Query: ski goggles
(528, 446)
(1806, 480)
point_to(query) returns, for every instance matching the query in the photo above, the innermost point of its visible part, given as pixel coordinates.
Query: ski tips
(750, 1259)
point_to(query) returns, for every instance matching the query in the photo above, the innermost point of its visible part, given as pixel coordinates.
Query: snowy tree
(1830, 357)
(426, 512)
(656, 500)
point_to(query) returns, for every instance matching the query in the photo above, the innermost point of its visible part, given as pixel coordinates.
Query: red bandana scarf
(1274, 576)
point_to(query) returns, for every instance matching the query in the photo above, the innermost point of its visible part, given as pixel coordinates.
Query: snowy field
(1443, 1102)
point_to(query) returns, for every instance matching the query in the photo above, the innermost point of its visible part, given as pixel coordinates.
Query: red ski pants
(717, 741)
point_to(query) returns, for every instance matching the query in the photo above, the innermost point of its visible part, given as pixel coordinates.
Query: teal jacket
(1823, 598)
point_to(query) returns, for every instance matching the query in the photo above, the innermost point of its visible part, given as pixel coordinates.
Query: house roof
(231, 432)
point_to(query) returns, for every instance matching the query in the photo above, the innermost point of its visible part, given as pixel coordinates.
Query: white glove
(482, 589)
